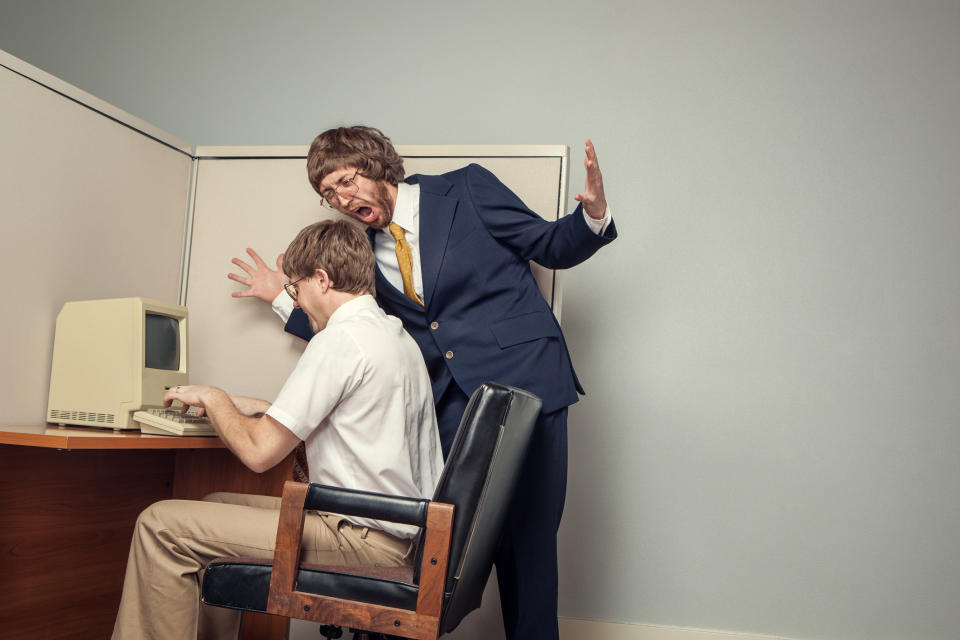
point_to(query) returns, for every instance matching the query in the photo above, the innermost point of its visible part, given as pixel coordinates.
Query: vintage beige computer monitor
(113, 357)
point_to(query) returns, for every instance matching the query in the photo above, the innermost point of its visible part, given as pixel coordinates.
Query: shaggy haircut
(338, 247)
(362, 147)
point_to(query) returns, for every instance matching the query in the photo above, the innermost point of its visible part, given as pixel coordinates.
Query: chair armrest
(437, 520)
(367, 504)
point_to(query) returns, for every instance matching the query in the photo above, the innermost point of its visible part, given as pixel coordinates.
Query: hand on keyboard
(178, 416)
(173, 422)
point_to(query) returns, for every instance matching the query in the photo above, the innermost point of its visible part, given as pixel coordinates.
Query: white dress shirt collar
(407, 207)
(350, 308)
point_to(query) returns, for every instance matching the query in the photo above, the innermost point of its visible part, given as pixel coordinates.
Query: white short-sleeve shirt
(360, 398)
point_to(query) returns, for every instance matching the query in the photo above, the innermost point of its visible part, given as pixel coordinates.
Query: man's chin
(381, 222)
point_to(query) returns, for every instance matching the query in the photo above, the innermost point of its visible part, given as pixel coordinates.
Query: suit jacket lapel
(437, 211)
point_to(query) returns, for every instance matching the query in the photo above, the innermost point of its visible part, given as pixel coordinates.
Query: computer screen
(113, 357)
(161, 342)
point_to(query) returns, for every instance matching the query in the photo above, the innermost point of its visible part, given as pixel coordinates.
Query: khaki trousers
(175, 539)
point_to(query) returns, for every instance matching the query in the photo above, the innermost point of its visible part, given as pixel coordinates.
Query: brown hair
(338, 247)
(362, 147)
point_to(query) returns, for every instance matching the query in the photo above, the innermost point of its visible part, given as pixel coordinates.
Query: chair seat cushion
(244, 583)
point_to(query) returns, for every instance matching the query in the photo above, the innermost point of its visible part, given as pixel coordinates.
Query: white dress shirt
(406, 213)
(360, 398)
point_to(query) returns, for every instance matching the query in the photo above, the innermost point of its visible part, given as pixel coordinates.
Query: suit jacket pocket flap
(529, 326)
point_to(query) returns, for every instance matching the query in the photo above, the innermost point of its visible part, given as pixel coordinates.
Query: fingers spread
(243, 265)
(256, 258)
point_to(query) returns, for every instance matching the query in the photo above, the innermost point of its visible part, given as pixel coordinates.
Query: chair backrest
(479, 479)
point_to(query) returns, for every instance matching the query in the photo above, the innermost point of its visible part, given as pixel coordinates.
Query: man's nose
(343, 200)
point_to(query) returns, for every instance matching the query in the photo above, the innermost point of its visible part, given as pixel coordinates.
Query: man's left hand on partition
(263, 282)
(593, 199)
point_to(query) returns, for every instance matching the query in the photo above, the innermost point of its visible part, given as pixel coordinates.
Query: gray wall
(770, 442)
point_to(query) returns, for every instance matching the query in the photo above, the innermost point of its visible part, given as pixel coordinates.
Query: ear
(323, 280)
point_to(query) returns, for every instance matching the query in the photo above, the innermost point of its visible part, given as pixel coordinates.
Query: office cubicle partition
(99, 204)
(93, 204)
(260, 198)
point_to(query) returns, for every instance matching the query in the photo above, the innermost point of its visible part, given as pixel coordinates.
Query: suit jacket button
(449, 355)
(434, 325)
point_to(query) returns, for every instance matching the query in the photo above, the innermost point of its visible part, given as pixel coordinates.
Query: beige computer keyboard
(170, 422)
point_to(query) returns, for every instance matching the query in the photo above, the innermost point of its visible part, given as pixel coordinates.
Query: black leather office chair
(462, 526)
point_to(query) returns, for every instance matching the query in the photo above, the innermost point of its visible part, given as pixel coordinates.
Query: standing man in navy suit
(453, 256)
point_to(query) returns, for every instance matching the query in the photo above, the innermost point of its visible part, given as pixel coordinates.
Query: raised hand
(264, 283)
(593, 200)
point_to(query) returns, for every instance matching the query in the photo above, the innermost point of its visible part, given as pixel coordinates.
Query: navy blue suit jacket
(484, 317)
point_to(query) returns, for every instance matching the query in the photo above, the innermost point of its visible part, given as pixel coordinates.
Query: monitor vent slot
(85, 416)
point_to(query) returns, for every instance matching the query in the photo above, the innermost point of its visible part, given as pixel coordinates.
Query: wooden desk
(69, 498)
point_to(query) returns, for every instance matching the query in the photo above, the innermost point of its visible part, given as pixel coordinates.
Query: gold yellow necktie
(405, 260)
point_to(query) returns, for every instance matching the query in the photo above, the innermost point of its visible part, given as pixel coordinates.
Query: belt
(403, 546)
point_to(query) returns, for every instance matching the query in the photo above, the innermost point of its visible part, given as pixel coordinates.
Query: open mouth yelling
(365, 215)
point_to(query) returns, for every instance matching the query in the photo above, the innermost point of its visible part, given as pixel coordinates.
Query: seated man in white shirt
(359, 398)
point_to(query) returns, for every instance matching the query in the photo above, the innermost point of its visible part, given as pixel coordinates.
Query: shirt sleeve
(597, 226)
(330, 369)
(283, 305)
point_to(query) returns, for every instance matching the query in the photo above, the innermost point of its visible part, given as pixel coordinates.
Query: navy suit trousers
(527, 558)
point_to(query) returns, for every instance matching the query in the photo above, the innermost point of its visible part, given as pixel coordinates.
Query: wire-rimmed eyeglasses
(291, 288)
(345, 187)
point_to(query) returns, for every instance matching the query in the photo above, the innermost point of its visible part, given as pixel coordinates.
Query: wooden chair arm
(286, 552)
(423, 623)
